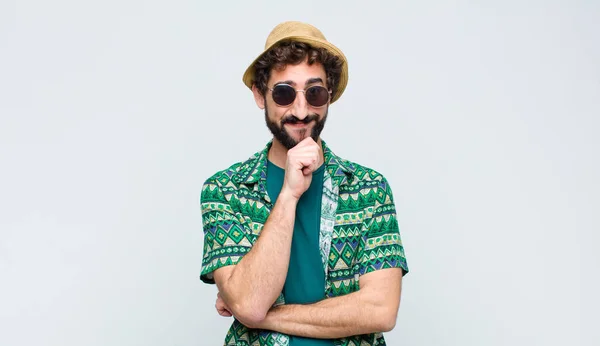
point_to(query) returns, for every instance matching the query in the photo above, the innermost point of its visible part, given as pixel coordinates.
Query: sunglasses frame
(303, 91)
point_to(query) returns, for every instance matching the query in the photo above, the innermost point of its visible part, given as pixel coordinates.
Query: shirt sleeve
(381, 244)
(225, 237)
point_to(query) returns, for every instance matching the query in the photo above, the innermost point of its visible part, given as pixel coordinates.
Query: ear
(258, 97)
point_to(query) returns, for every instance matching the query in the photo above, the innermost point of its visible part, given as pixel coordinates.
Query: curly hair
(293, 53)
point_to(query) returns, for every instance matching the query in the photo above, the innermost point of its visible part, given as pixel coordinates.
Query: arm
(372, 309)
(251, 286)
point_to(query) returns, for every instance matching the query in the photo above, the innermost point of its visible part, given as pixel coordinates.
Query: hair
(293, 53)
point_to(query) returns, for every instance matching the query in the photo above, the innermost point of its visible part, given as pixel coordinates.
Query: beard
(281, 134)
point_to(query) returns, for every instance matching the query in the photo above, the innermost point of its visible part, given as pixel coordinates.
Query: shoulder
(362, 174)
(357, 173)
(237, 172)
(247, 171)
(225, 176)
(368, 181)
(228, 182)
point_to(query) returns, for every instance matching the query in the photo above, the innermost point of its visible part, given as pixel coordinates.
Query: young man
(303, 245)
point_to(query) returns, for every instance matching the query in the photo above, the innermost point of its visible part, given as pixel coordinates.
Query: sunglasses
(316, 96)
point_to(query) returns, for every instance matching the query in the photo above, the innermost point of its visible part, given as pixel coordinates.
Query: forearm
(258, 279)
(352, 314)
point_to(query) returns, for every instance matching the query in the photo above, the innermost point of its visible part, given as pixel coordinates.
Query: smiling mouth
(299, 124)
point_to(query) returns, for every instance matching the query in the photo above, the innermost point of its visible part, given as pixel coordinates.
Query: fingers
(224, 313)
(307, 171)
(307, 154)
(307, 162)
(222, 308)
(302, 161)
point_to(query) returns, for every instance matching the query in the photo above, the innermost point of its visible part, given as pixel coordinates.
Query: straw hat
(301, 32)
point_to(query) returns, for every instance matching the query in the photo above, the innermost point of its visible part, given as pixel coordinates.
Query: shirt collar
(254, 170)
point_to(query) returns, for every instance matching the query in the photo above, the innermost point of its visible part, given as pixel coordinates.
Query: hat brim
(314, 42)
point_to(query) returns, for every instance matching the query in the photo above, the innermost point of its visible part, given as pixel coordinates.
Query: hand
(221, 307)
(302, 161)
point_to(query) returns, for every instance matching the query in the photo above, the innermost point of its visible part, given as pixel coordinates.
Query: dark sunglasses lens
(317, 96)
(284, 95)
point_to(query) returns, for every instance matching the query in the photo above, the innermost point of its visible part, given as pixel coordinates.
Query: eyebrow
(313, 81)
(308, 82)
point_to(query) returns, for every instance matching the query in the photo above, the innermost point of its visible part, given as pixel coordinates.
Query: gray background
(482, 115)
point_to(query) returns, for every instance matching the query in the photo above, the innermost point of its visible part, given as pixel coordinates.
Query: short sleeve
(225, 238)
(381, 243)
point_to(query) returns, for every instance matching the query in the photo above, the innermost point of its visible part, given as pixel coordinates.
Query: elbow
(387, 325)
(249, 315)
(386, 321)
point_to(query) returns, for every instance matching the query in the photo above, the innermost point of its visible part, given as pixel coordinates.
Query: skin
(249, 289)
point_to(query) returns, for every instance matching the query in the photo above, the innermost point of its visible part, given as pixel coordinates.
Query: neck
(278, 153)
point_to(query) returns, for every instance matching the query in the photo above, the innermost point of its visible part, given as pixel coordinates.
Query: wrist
(287, 197)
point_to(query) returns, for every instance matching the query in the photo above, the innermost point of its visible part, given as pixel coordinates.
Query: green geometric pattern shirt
(359, 231)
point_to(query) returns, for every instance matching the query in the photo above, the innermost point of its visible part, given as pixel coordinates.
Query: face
(293, 123)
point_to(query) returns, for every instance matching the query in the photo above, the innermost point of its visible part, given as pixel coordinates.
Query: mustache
(292, 119)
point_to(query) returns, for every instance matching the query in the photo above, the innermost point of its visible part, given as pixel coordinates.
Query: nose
(300, 106)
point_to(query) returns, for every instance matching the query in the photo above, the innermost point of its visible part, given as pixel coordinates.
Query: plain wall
(484, 117)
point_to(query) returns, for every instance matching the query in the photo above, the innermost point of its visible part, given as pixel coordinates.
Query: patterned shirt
(359, 231)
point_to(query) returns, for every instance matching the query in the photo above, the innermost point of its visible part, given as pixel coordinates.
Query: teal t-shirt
(305, 281)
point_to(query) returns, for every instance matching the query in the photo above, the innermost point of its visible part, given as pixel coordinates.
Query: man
(303, 245)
